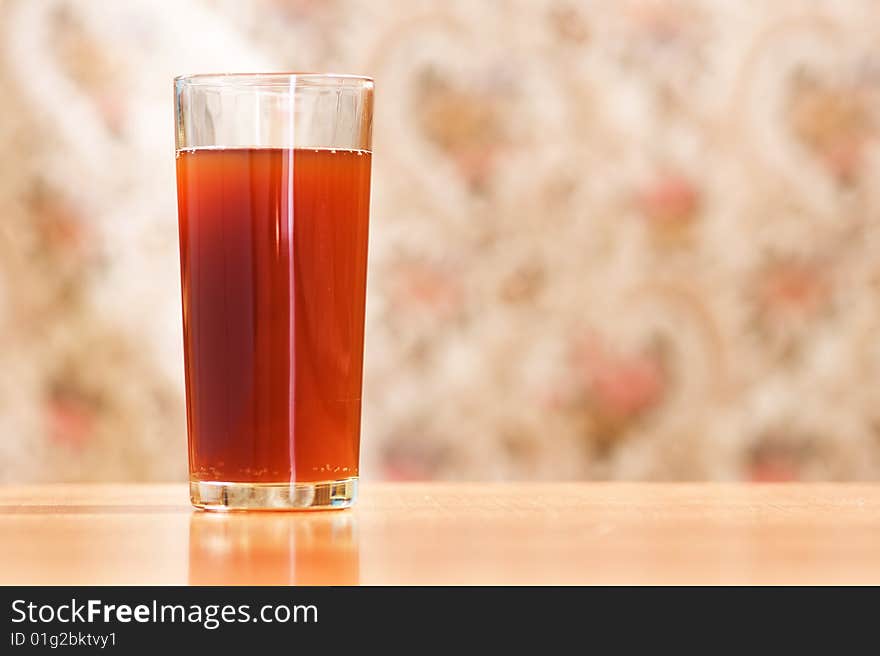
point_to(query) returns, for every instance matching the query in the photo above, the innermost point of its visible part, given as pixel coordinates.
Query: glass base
(321, 495)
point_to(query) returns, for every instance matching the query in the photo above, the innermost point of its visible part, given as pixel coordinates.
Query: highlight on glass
(273, 185)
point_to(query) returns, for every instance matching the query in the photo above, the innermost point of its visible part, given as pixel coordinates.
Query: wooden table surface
(449, 533)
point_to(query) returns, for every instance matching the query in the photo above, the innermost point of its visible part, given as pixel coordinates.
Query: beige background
(632, 239)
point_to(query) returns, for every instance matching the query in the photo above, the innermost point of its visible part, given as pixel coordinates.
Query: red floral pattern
(623, 240)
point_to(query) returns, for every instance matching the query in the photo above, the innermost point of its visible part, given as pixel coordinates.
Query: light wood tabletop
(450, 533)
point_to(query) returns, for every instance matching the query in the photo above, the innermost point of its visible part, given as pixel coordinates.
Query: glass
(273, 189)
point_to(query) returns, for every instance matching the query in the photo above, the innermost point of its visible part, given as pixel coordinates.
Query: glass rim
(274, 79)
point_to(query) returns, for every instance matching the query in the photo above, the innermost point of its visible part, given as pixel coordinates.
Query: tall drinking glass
(273, 188)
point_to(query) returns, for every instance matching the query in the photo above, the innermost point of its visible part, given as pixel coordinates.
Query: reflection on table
(273, 549)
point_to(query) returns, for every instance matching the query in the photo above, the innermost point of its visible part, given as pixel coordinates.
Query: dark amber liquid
(273, 246)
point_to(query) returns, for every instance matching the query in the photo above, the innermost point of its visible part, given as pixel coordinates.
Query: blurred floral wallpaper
(609, 240)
